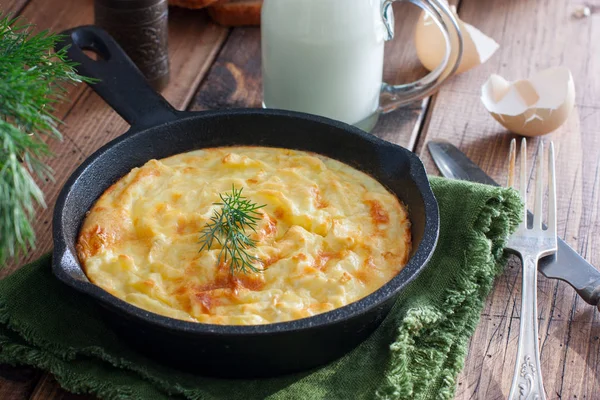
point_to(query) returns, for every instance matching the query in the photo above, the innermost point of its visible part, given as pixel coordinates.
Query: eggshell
(534, 106)
(431, 46)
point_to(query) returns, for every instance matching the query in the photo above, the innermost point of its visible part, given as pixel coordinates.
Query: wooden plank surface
(533, 35)
(17, 383)
(12, 6)
(48, 389)
(89, 123)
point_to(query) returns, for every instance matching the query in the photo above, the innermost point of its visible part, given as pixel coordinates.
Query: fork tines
(539, 187)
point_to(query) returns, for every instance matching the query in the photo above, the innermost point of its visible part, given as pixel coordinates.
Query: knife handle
(591, 293)
(573, 269)
(585, 279)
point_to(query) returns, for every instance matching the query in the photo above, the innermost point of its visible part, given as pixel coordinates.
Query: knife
(566, 265)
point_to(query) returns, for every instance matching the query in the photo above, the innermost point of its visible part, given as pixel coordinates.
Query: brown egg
(431, 46)
(534, 106)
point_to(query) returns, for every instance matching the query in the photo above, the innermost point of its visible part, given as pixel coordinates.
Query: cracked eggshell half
(534, 106)
(431, 47)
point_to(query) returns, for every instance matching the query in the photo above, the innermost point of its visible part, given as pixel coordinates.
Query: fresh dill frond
(229, 226)
(31, 83)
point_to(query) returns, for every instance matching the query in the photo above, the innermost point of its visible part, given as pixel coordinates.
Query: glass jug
(325, 57)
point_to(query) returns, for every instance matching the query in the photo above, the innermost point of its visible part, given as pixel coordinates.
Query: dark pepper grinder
(141, 28)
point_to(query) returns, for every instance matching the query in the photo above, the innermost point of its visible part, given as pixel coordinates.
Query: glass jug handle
(394, 96)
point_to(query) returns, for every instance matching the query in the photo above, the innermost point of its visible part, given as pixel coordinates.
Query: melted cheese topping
(328, 236)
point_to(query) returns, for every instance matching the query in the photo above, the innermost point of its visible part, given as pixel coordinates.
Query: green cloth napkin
(417, 353)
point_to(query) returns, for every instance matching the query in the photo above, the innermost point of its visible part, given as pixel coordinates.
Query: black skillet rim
(62, 255)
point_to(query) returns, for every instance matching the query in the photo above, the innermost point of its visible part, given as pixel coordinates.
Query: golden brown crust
(236, 12)
(328, 235)
(192, 4)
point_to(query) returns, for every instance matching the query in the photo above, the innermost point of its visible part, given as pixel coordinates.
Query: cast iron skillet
(158, 131)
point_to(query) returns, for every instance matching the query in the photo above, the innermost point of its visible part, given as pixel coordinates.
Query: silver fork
(531, 244)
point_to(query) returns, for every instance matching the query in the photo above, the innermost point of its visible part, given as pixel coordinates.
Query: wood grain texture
(12, 6)
(48, 389)
(17, 383)
(89, 123)
(533, 35)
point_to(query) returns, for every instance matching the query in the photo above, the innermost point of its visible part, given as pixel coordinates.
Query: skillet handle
(121, 84)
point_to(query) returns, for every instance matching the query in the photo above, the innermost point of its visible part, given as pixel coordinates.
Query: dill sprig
(31, 79)
(228, 226)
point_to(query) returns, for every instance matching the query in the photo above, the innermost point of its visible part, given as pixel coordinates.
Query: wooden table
(214, 67)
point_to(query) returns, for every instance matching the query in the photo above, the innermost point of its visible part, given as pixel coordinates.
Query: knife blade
(566, 265)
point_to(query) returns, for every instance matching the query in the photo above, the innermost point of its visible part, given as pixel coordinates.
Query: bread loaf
(193, 4)
(236, 12)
